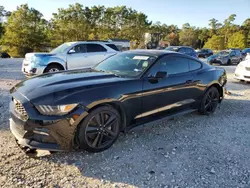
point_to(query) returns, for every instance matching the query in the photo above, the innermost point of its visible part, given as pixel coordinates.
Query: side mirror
(160, 74)
(72, 51)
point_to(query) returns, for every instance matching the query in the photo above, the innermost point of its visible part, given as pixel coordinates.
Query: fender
(54, 59)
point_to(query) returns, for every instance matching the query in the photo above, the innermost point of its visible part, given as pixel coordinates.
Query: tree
(188, 35)
(24, 31)
(229, 28)
(203, 35)
(216, 43)
(215, 25)
(246, 31)
(82, 23)
(237, 40)
(3, 15)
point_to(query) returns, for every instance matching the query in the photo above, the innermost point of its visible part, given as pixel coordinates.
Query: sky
(195, 12)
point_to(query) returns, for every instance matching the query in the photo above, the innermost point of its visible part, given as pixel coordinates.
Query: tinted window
(95, 48)
(174, 65)
(80, 48)
(113, 47)
(182, 50)
(190, 50)
(194, 65)
(233, 53)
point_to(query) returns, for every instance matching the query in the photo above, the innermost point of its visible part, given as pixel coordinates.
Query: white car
(247, 56)
(242, 71)
(71, 55)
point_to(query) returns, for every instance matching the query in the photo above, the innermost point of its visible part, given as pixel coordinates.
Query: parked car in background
(183, 49)
(238, 51)
(242, 71)
(70, 110)
(247, 56)
(4, 55)
(245, 52)
(225, 57)
(204, 53)
(71, 55)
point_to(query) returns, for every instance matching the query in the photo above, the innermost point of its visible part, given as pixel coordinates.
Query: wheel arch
(116, 105)
(55, 63)
(218, 87)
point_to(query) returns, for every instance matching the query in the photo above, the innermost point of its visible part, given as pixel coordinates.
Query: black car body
(204, 53)
(225, 57)
(184, 50)
(150, 84)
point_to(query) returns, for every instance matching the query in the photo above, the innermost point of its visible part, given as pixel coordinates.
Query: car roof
(181, 47)
(90, 42)
(152, 52)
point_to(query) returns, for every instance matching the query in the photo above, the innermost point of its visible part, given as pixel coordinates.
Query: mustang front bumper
(45, 132)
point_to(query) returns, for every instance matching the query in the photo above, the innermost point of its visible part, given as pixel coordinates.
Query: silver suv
(71, 55)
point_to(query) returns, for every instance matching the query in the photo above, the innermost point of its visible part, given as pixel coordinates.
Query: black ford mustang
(87, 109)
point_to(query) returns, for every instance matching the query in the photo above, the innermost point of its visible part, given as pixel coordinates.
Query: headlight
(55, 110)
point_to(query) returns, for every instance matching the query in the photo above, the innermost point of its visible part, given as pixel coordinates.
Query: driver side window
(171, 65)
(80, 48)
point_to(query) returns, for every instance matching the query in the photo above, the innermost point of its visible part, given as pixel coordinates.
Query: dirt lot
(189, 151)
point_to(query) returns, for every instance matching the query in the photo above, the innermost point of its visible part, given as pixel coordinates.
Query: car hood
(245, 63)
(38, 54)
(53, 87)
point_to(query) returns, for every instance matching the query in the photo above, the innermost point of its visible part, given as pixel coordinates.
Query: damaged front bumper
(45, 132)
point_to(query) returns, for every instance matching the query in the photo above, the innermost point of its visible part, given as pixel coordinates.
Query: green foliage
(83, 23)
(188, 35)
(24, 32)
(216, 43)
(237, 40)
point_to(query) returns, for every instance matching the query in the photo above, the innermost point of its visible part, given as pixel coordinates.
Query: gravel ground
(188, 151)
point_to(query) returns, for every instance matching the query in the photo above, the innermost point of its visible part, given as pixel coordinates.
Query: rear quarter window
(114, 47)
(194, 65)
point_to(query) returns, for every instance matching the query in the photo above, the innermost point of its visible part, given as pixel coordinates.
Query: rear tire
(53, 68)
(210, 101)
(99, 130)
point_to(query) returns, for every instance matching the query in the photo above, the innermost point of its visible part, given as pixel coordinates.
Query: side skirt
(159, 117)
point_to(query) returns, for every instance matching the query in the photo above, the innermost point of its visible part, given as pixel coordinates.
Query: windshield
(126, 64)
(62, 48)
(223, 53)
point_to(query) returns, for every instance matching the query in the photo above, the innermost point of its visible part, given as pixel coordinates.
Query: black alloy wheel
(210, 101)
(99, 130)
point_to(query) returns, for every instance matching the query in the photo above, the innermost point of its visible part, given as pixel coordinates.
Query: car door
(76, 57)
(169, 92)
(95, 54)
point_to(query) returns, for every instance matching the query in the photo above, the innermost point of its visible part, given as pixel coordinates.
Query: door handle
(189, 81)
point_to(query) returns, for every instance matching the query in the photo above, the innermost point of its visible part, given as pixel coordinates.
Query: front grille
(247, 77)
(20, 109)
(248, 68)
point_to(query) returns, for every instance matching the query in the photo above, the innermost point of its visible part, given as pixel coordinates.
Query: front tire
(99, 130)
(229, 62)
(210, 101)
(53, 68)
